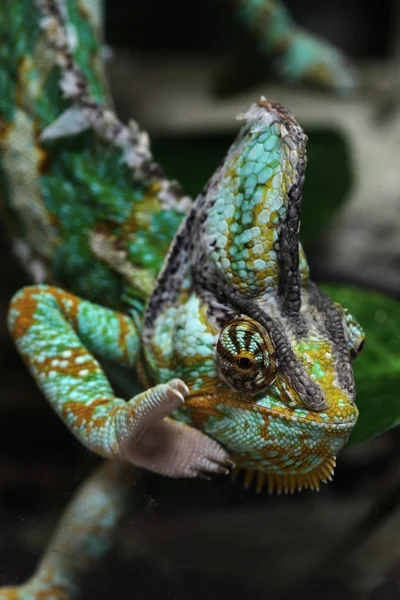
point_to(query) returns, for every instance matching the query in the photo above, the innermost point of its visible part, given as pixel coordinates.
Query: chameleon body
(228, 335)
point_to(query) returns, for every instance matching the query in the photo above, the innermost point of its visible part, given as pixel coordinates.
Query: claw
(223, 471)
(248, 478)
(201, 475)
(230, 464)
(180, 386)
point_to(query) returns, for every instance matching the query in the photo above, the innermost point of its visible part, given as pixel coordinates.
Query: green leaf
(377, 369)
(327, 181)
(191, 158)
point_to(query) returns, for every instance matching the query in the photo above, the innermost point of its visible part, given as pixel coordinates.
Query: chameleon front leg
(84, 535)
(55, 333)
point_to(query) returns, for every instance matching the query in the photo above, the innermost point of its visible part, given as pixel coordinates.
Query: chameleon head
(265, 353)
(295, 445)
(253, 406)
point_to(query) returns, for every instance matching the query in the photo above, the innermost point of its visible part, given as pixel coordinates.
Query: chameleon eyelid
(243, 339)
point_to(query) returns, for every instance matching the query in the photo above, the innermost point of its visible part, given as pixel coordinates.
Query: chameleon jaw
(282, 451)
(287, 483)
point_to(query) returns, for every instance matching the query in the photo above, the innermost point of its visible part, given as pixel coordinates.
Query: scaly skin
(251, 359)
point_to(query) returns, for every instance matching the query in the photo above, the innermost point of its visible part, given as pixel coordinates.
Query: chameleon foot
(162, 445)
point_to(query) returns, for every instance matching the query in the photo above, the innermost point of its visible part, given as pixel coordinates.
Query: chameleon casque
(244, 360)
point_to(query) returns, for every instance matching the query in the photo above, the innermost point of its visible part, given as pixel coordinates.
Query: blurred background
(184, 70)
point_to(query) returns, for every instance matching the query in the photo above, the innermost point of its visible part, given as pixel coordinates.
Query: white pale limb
(149, 440)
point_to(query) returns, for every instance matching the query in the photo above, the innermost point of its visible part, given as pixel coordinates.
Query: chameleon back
(87, 206)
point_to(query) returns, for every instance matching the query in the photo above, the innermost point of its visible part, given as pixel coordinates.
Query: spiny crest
(263, 113)
(246, 356)
(288, 483)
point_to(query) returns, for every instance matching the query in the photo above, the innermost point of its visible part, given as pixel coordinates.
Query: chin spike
(235, 472)
(248, 478)
(271, 482)
(288, 483)
(260, 481)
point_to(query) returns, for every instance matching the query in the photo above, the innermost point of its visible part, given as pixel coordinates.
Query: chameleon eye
(246, 357)
(353, 331)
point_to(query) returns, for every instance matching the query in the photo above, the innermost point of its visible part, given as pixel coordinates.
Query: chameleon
(245, 363)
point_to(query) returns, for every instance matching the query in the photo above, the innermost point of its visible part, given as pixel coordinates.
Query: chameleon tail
(84, 535)
(301, 55)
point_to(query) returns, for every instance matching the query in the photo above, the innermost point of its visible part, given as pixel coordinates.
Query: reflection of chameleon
(252, 359)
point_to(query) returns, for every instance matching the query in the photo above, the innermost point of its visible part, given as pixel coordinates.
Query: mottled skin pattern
(250, 359)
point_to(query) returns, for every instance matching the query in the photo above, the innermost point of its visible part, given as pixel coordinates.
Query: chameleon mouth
(287, 483)
(204, 401)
